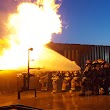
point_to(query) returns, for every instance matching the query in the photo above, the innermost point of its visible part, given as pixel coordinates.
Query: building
(81, 52)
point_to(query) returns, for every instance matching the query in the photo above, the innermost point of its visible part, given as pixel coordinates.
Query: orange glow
(32, 26)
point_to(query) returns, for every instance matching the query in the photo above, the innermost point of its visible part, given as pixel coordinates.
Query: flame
(32, 26)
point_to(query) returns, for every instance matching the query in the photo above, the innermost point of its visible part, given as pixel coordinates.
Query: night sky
(84, 21)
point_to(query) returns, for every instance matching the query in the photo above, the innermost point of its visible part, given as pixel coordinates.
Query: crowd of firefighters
(94, 78)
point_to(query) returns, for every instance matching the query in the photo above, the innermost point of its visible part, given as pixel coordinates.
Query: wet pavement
(57, 101)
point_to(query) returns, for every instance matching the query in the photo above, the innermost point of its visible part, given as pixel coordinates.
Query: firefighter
(66, 82)
(101, 69)
(55, 79)
(86, 82)
(75, 81)
(96, 71)
(44, 81)
(104, 77)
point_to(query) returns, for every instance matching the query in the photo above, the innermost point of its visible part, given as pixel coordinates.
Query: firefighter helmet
(101, 61)
(106, 65)
(88, 62)
(95, 62)
(67, 74)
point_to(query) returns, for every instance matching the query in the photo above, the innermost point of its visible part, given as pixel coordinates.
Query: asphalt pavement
(56, 101)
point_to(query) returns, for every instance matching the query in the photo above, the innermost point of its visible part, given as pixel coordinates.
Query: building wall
(80, 52)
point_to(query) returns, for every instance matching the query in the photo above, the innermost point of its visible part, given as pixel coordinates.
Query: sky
(88, 22)
(84, 21)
